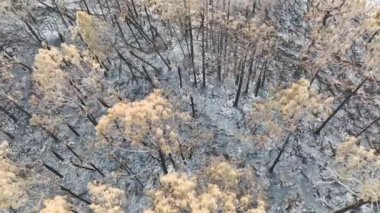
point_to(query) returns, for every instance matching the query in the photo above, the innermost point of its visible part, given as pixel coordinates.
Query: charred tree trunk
(340, 106)
(203, 52)
(240, 85)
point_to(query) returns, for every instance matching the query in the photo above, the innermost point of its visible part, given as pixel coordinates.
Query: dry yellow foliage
(105, 198)
(138, 119)
(334, 33)
(56, 205)
(51, 74)
(359, 163)
(174, 10)
(201, 194)
(370, 190)
(47, 72)
(356, 157)
(12, 186)
(224, 174)
(297, 102)
(94, 33)
(283, 112)
(61, 73)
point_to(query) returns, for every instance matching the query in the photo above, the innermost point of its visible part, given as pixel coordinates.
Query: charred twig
(102, 11)
(34, 33)
(179, 41)
(134, 9)
(19, 107)
(314, 77)
(148, 77)
(130, 171)
(125, 60)
(124, 38)
(130, 66)
(82, 167)
(368, 126)
(73, 129)
(51, 134)
(86, 6)
(60, 14)
(12, 59)
(146, 62)
(140, 30)
(96, 168)
(103, 102)
(8, 113)
(75, 195)
(355, 205)
(58, 156)
(120, 29)
(74, 153)
(92, 119)
(279, 154)
(172, 161)
(150, 24)
(7, 134)
(134, 35)
(53, 170)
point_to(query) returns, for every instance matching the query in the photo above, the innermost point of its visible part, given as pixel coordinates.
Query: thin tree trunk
(203, 51)
(75, 195)
(241, 78)
(118, 5)
(148, 77)
(314, 77)
(258, 83)
(180, 77)
(86, 6)
(146, 62)
(101, 10)
(33, 32)
(340, 106)
(355, 205)
(179, 41)
(192, 50)
(162, 161)
(192, 106)
(60, 14)
(7, 134)
(249, 76)
(264, 73)
(279, 154)
(368, 126)
(134, 35)
(134, 9)
(10, 115)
